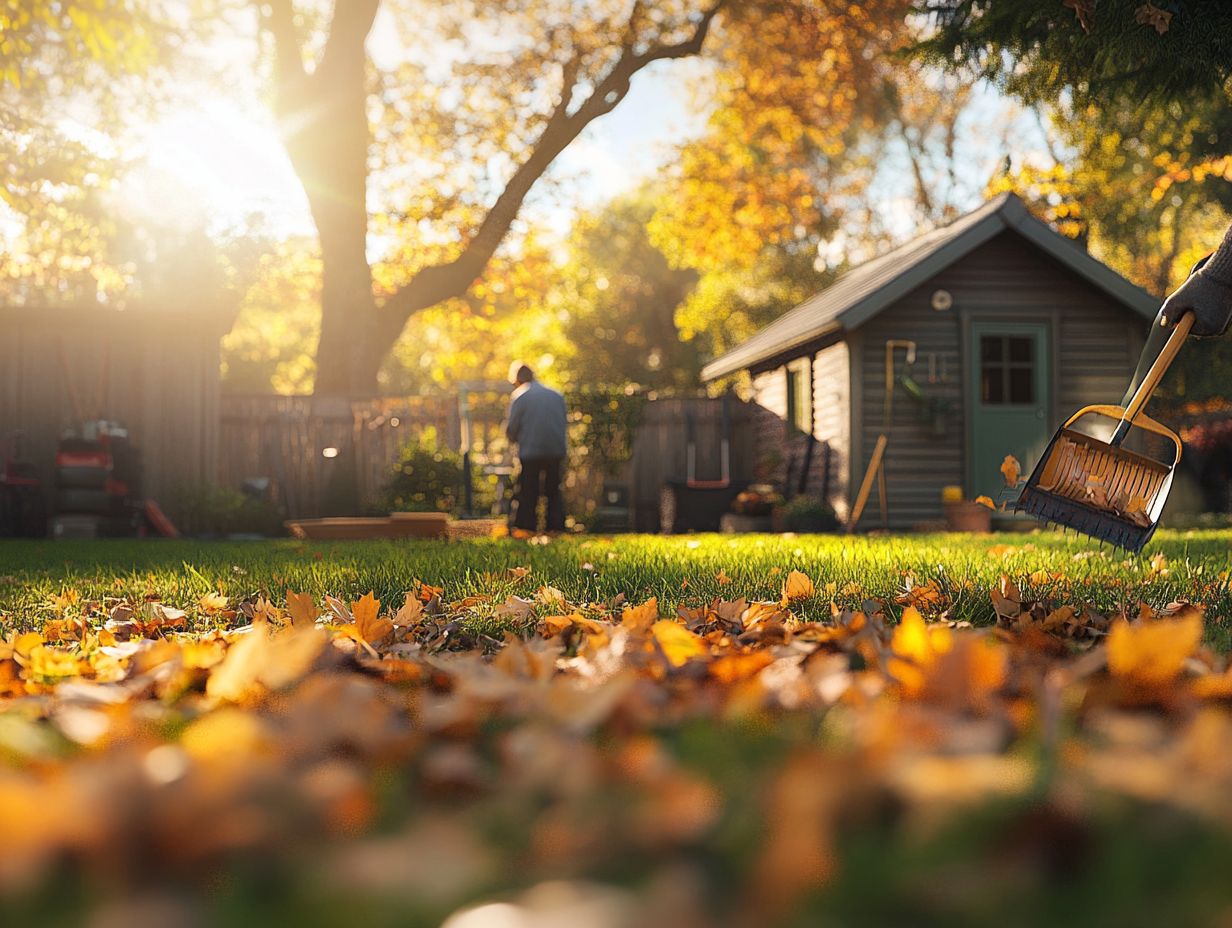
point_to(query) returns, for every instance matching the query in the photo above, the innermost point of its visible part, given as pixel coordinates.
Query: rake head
(1100, 489)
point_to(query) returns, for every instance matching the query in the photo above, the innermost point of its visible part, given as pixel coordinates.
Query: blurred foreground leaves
(523, 757)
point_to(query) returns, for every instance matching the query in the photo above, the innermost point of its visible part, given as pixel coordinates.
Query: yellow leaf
(641, 617)
(916, 648)
(1153, 653)
(211, 603)
(797, 586)
(678, 643)
(1011, 470)
(986, 501)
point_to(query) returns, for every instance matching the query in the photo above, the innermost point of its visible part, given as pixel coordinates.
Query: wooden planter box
(395, 525)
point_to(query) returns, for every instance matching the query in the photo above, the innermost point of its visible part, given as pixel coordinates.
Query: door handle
(1039, 413)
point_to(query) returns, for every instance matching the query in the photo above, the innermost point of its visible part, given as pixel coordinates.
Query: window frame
(799, 383)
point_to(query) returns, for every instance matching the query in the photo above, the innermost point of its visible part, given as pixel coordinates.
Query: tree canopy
(1095, 49)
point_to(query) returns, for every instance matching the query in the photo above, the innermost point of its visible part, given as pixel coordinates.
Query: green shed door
(1010, 374)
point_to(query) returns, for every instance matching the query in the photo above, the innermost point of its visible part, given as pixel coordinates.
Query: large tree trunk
(324, 117)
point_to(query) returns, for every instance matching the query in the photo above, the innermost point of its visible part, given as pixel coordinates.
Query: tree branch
(278, 19)
(437, 283)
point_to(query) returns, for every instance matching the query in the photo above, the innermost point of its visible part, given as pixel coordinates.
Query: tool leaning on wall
(876, 464)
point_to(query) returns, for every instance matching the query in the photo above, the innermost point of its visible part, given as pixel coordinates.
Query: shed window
(800, 396)
(1007, 370)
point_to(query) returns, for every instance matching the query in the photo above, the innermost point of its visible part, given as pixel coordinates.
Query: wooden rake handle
(1179, 333)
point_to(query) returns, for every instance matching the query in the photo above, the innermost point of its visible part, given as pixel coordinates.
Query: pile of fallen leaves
(412, 753)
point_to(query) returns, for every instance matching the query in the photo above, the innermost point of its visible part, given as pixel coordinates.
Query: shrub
(425, 478)
(205, 509)
(809, 514)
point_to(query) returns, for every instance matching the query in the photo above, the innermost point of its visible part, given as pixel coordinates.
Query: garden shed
(155, 371)
(987, 330)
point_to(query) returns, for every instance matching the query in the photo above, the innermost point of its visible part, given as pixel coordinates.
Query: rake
(1099, 488)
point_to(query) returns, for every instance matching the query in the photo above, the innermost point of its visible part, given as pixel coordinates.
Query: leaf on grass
(373, 627)
(303, 609)
(641, 617)
(1011, 470)
(678, 643)
(1153, 653)
(798, 585)
(411, 612)
(1006, 598)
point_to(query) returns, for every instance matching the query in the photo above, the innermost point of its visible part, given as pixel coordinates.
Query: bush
(425, 478)
(205, 509)
(809, 514)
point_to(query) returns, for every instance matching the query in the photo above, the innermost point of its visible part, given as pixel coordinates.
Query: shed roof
(866, 290)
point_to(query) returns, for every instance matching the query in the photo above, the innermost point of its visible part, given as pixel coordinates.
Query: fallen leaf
(303, 609)
(1011, 470)
(679, 645)
(1153, 653)
(797, 586)
(641, 617)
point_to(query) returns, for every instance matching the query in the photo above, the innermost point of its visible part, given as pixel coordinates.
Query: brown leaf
(303, 609)
(1150, 15)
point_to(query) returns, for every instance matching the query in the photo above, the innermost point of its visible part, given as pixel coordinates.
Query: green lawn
(395, 791)
(675, 569)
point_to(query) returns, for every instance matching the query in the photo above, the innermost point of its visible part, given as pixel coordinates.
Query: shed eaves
(864, 291)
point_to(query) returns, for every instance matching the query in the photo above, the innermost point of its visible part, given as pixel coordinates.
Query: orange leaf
(797, 586)
(986, 501)
(1011, 469)
(372, 626)
(1153, 653)
(641, 617)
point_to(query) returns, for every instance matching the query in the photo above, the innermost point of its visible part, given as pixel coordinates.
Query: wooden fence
(333, 457)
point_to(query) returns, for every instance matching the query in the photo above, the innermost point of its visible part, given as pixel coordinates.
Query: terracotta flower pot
(966, 516)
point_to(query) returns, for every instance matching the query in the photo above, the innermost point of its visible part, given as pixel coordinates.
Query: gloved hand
(1207, 293)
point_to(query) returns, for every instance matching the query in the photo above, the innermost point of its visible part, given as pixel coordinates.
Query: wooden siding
(660, 450)
(778, 446)
(157, 373)
(1095, 341)
(832, 422)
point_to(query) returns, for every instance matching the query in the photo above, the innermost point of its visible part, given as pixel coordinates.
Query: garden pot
(965, 516)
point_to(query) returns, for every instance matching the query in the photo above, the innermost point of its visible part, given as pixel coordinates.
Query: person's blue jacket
(537, 421)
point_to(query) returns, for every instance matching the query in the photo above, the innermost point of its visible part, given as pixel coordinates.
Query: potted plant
(964, 515)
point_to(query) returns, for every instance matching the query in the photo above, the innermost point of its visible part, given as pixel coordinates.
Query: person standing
(537, 424)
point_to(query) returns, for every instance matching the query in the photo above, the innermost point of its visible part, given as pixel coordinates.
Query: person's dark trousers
(539, 477)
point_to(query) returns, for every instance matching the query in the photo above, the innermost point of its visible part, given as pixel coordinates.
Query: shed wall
(831, 396)
(1095, 341)
(158, 375)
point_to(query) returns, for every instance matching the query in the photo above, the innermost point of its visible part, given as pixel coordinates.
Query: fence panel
(289, 439)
